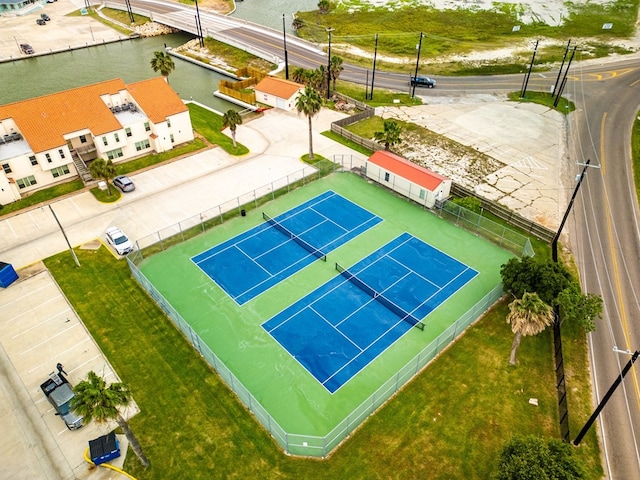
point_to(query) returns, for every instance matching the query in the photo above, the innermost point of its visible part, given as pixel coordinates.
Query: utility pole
(563, 408)
(415, 76)
(557, 84)
(526, 77)
(373, 73)
(564, 80)
(286, 57)
(329, 63)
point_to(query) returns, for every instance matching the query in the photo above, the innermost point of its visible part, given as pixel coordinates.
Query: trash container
(7, 275)
(243, 212)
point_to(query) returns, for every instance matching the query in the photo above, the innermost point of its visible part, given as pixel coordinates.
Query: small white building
(278, 93)
(48, 139)
(407, 178)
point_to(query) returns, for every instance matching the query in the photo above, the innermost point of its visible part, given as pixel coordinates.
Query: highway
(603, 229)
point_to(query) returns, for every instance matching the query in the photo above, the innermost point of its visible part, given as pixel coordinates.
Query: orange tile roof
(406, 169)
(44, 120)
(156, 98)
(278, 87)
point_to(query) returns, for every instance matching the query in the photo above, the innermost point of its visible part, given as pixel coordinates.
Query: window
(115, 135)
(386, 176)
(171, 137)
(168, 122)
(26, 181)
(104, 141)
(113, 154)
(6, 167)
(59, 171)
(422, 192)
(147, 127)
(33, 160)
(127, 131)
(142, 145)
(83, 139)
(61, 152)
(48, 157)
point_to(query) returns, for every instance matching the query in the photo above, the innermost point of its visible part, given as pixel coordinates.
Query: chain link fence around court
(295, 444)
(312, 445)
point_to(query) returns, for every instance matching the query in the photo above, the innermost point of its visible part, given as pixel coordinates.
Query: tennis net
(306, 245)
(402, 313)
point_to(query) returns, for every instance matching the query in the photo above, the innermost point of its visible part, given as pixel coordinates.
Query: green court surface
(295, 400)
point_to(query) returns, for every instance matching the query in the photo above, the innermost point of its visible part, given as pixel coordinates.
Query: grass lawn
(209, 125)
(464, 30)
(43, 195)
(450, 422)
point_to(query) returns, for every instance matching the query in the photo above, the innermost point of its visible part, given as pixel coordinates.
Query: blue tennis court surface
(254, 261)
(339, 328)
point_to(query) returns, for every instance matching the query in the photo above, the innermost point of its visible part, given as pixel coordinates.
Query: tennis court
(338, 329)
(254, 261)
(277, 380)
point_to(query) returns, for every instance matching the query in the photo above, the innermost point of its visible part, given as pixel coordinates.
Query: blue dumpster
(104, 448)
(7, 275)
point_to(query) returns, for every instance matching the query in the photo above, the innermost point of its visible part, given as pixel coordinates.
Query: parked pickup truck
(58, 390)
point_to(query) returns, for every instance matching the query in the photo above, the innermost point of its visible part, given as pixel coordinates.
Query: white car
(118, 240)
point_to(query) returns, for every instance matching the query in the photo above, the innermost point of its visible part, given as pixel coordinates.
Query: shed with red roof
(407, 178)
(278, 93)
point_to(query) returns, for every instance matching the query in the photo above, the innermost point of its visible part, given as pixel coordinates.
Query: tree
(232, 119)
(545, 277)
(575, 306)
(309, 102)
(533, 458)
(527, 316)
(162, 62)
(335, 68)
(106, 170)
(95, 400)
(299, 75)
(323, 6)
(390, 134)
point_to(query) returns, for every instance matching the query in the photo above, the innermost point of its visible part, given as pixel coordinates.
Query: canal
(269, 13)
(128, 60)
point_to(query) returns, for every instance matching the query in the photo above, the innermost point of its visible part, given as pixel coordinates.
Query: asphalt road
(605, 240)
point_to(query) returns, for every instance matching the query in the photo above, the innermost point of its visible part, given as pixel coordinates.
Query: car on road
(40, 21)
(45, 17)
(422, 82)
(26, 48)
(124, 183)
(59, 393)
(119, 241)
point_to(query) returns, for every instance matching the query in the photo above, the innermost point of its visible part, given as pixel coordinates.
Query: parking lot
(61, 32)
(39, 330)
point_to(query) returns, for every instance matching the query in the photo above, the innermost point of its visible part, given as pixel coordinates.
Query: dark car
(422, 82)
(40, 21)
(26, 48)
(45, 17)
(124, 183)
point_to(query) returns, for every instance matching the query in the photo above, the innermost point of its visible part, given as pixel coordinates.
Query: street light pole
(606, 398)
(329, 63)
(415, 76)
(286, 57)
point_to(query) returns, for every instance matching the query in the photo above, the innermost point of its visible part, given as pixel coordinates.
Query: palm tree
(527, 316)
(323, 6)
(162, 62)
(299, 75)
(95, 400)
(232, 119)
(335, 67)
(390, 135)
(106, 170)
(309, 102)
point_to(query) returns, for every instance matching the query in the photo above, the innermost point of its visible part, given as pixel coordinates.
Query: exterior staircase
(81, 167)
